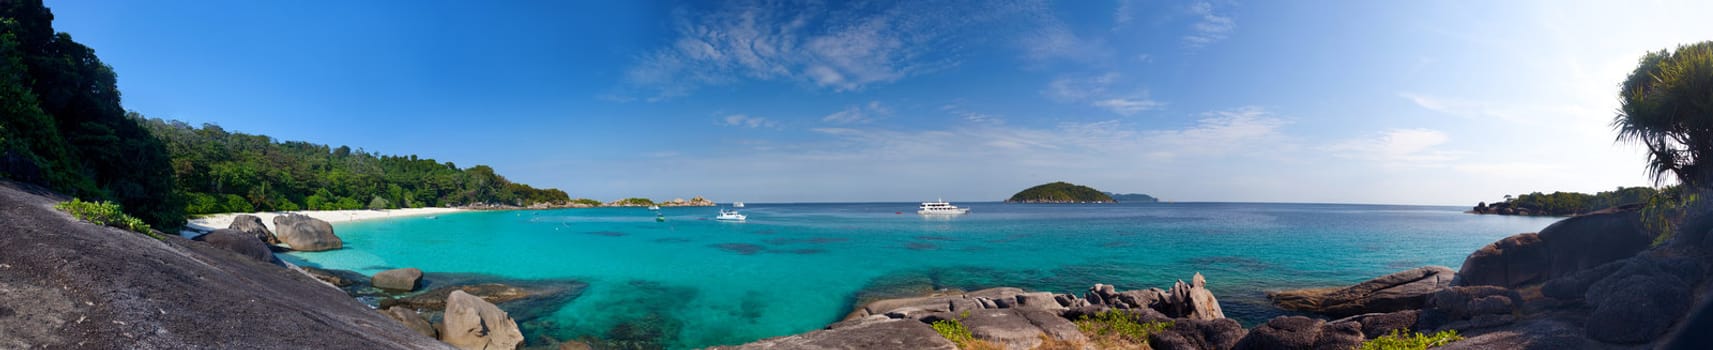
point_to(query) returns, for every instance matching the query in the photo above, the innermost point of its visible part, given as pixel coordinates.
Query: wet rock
(405, 279)
(1403, 290)
(491, 292)
(892, 334)
(305, 233)
(1297, 332)
(240, 243)
(252, 225)
(473, 324)
(412, 320)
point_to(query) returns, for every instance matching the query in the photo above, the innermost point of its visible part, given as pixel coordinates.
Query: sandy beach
(219, 221)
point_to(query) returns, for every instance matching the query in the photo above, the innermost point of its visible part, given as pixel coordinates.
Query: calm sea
(692, 281)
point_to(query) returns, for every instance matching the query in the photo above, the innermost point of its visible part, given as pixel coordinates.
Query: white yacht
(730, 215)
(940, 207)
(653, 207)
(737, 204)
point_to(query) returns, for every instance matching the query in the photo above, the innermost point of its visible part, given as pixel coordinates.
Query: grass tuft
(107, 214)
(1114, 329)
(1412, 341)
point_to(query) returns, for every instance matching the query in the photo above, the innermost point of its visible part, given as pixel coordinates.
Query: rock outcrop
(412, 320)
(405, 279)
(438, 298)
(69, 284)
(1563, 248)
(1191, 300)
(473, 324)
(252, 225)
(884, 334)
(1403, 290)
(305, 233)
(240, 243)
(1297, 332)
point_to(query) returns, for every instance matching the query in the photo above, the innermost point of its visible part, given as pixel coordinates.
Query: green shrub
(1119, 324)
(1412, 341)
(954, 331)
(105, 213)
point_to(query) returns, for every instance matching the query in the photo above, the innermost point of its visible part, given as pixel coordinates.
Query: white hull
(730, 218)
(958, 211)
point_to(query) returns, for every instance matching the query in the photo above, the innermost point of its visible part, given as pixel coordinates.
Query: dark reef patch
(814, 240)
(921, 246)
(643, 317)
(740, 248)
(608, 233)
(1008, 238)
(671, 240)
(1234, 262)
(934, 238)
(805, 251)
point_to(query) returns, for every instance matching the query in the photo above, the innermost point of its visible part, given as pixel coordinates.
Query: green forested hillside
(1060, 192)
(61, 124)
(1567, 203)
(221, 171)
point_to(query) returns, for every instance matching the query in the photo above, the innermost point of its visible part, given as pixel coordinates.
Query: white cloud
(740, 120)
(1398, 148)
(1251, 130)
(1121, 15)
(858, 114)
(836, 47)
(1097, 91)
(1209, 27)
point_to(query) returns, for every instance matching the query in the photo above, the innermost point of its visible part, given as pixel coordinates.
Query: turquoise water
(692, 281)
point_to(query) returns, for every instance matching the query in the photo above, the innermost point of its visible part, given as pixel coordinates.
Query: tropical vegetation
(61, 124)
(1060, 192)
(1397, 340)
(105, 213)
(1567, 203)
(1666, 106)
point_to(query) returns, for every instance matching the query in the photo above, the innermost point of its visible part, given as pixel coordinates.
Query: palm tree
(1667, 105)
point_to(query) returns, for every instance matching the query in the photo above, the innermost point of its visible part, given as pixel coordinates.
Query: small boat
(659, 218)
(730, 215)
(737, 204)
(653, 207)
(940, 207)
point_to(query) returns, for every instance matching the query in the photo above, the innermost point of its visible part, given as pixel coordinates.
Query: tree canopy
(1667, 106)
(61, 124)
(1060, 192)
(221, 171)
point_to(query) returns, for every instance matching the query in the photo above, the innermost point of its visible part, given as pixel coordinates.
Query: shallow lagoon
(692, 281)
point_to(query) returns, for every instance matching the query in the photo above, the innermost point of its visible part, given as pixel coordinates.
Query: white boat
(737, 204)
(730, 215)
(653, 207)
(940, 207)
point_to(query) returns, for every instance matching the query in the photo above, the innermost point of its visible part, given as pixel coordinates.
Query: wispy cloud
(1121, 15)
(740, 120)
(858, 114)
(1398, 148)
(1098, 91)
(1209, 27)
(838, 47)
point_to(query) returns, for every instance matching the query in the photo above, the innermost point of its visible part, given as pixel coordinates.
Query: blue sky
(1440, 102)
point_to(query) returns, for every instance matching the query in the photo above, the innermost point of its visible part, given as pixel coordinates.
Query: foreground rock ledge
(69, 284)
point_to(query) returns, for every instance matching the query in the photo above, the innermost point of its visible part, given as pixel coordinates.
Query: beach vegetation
(954, 331)
(65, 128)
(105, 213)
(1398, 340)
(1117, 329)
(272, 175)
(1664, 105)
(635, 202)
(586, 201)
(1570, 203)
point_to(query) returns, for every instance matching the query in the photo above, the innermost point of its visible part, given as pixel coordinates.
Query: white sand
(219, 221)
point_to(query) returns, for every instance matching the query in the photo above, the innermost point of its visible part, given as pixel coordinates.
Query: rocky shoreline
(1592, 281)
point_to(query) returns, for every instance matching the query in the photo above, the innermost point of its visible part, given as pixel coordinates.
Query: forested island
(1060, 192)
(1132, 197)
(1570, 203)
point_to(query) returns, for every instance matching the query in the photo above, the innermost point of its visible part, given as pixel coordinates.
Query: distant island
(1133, 197)
(1060, 192)
(1566, 203)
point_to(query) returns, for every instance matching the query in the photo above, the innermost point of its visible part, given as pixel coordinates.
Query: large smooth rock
(250, 224)
(1297, 332)
(473, 324)
(241, 243)
(405, 279)
(1038, 300)
(412, 320)
(1467, 307)
(1513, 261)
(892, 334)
(305, 233)
(1053, 325)
(1403, 290)
(1004, 326)
(1191, 300)
(1642, 300)
(1536, 334)
(1190, 334)
(1376, 325)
